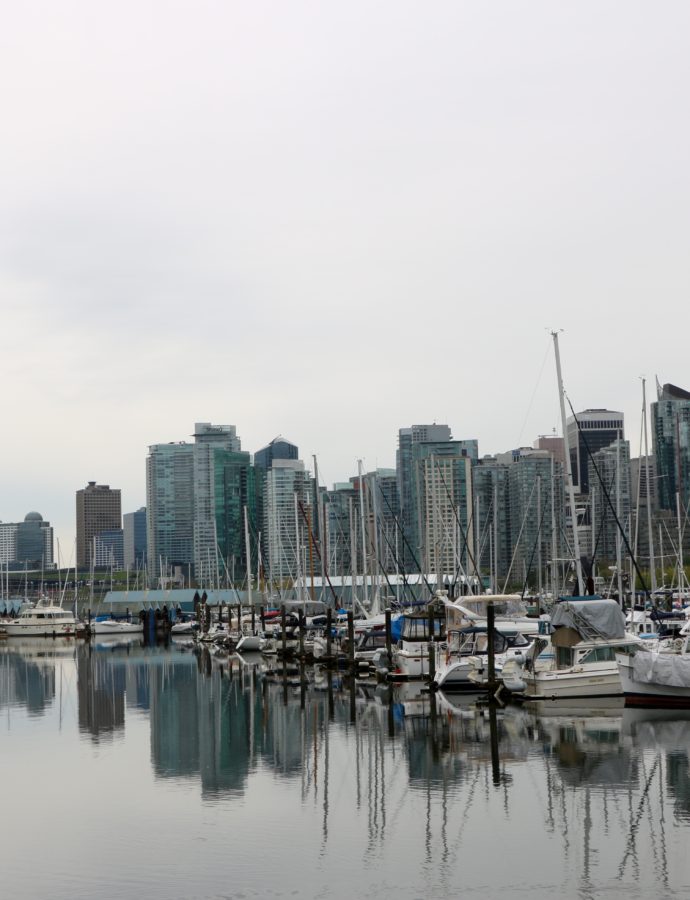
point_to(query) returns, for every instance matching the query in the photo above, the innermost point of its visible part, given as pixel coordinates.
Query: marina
(189, 774)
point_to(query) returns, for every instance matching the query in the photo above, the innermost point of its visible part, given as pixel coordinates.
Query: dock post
(432, 662)
(351, 639)
(262, 618)
(491, 653)
(301, 626)
(389, 639)
(329, 636)
(283, 625)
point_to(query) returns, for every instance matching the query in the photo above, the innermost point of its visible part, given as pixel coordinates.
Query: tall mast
(247, 550)
(568, 468)
(650, 533)
(364, 534)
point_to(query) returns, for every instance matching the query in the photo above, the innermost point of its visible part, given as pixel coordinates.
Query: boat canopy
(602, 618)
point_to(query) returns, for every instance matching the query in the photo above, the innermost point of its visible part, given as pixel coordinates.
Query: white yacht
(108, 625)
(42, 620)
(587, 635)
(465, 648)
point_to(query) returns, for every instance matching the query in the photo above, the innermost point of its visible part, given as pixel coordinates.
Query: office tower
(671, 443)
(441, 524)
(491, 511)
(27, 544)
(108, 549)
(98, 509)
(182, 509)
(341, 506)
(284, 525)
(613, 466)
(208, 439)
(170, 507)
(279, 448)
(134, 539)
(554, 444)
(407, 438)
(238, 486)
(593, 430)
(536, 501)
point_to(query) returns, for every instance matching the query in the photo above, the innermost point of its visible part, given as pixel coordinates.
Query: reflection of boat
(42, 620)
(113, 641)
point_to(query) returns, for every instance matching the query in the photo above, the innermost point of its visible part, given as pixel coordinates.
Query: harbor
(192, 773)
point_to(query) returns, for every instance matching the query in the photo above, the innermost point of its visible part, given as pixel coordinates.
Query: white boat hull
(111, 626)
(642, 693)
(251, 643)
(569, 683)
(48, 631)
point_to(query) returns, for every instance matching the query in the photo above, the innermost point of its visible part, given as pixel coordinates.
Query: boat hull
(574, 685)
(40, 631)
(641, 693)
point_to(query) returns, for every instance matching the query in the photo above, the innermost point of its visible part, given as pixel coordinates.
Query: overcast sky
(330, 220)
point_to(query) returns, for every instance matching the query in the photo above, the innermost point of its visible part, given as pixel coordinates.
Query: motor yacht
(42, 620)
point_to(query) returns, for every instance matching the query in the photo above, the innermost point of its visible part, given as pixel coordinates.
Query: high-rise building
(589, 431)
(671, 443)
(182, 508)
(407, 438)
(28, 543)
(283, 526)
(279, 448)
(134, 538)
(441, 526)
(99, 509)
(108, 549)
(491, 519)
(207, 440)
(238, 485)
(610, 498)
(536, 503)
(170, 507)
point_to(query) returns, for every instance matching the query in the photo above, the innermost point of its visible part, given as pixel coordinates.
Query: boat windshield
(508, 609)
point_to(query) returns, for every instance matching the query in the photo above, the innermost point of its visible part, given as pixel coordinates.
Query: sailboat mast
(364, 535)
(650, 533)
(247, 551)
(568, 468)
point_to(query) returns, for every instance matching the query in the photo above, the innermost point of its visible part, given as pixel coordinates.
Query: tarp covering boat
(590, 618)
(662, 668)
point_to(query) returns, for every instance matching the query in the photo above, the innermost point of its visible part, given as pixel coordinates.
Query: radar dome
(33, 517)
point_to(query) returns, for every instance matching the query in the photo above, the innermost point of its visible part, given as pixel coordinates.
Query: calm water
(131, 772)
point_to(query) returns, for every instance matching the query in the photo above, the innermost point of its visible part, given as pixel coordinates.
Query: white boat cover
(671, 669)
(602, 616)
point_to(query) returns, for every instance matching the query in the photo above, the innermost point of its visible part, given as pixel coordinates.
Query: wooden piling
(389, 638)
(283, 625)
(351, 639)
(329, 636)
(491, 654)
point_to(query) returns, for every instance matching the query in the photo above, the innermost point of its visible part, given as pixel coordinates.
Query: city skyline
(328, 221)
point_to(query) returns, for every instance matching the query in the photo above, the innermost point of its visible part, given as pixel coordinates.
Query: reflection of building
(101, 681)
(27, 682)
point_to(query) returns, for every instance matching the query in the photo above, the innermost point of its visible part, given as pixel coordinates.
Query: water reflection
(589, 791)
